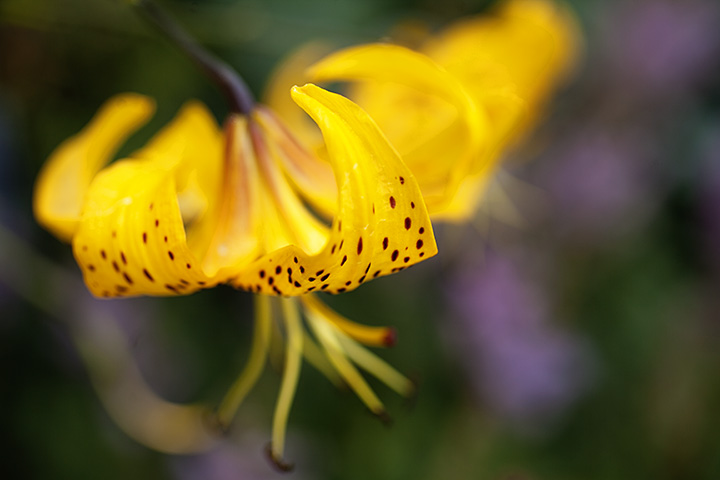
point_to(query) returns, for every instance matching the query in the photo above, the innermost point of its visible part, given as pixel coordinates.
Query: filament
(254, 367)
(288, 385)
(371, 336)
(376, 366)
(323, 331)
(319, 360)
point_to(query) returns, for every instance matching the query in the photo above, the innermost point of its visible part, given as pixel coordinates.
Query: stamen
(371, 336)
(317, 359)
(324, 332)
(254, 367)
(376, 366)
(293, 356)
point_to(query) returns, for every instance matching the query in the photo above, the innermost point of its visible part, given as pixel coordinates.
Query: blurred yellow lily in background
(454, 105)
(198, 206)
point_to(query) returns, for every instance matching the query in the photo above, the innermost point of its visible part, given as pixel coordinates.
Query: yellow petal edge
(64, 179)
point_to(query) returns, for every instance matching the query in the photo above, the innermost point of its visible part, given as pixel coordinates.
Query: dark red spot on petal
(144, 237)
(157, 222)
(271, 280)
(122, 257)
(422, 230)
(422, 254)
(348, 283)
(343, 261)
(171, 255)
(319, 272)
(406, 259)
(392, 202)
(341, 290)
(402, 181)
(394, 255)
(297, 284)
(127, 278)
(362, 279)
(188, 266)
(386, 242)
(360, 246)
(91, 268)
(376, 274)
(324, 277)
(147, 274)
(278, 269)
(419, 244)
(116, 266)
(103, 254)
(408, 223)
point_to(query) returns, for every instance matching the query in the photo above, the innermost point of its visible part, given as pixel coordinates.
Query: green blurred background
(575, 335)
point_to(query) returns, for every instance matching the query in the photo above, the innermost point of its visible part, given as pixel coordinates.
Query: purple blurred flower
(663, 46)
(526, 370)
(601, 183)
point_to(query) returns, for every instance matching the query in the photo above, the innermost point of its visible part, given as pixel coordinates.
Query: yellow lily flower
(200, 206)
(452, 107)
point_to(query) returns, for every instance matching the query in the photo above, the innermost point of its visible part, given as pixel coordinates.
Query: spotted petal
(64, 180)
(426, 112)
(382, 224)
(131, 238)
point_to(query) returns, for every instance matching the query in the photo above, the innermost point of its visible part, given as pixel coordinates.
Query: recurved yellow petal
(131, 238)
(424, 110)
(292, 71)
(64, 180)
(533, 42)
(382, 225)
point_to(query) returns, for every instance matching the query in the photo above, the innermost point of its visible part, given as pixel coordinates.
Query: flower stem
(232, 85)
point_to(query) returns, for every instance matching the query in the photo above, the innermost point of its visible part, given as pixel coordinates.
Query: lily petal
(131, 237)
(63, 182)
(453, 133)
(382, 225)
(535, 42)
